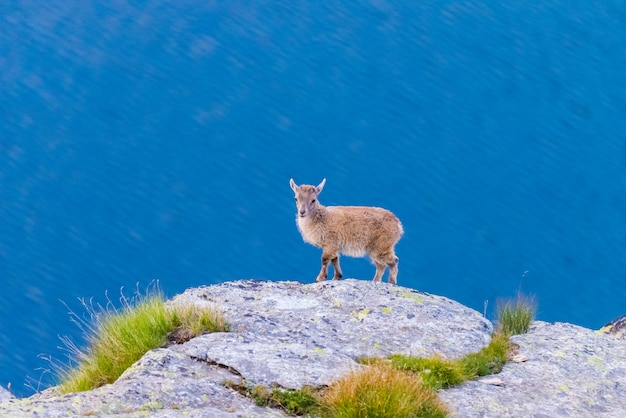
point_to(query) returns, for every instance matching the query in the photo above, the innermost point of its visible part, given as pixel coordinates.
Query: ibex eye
(313, 201)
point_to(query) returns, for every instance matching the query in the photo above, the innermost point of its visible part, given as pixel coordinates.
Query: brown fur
(351, 230)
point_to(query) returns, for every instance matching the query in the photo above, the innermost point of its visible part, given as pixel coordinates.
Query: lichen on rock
(617, 328)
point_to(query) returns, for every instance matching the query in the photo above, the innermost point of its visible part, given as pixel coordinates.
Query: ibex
(351, 230)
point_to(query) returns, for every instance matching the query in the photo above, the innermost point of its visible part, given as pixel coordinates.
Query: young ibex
(351, 230)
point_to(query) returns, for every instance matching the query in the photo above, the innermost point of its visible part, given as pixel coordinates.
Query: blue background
(143, 141)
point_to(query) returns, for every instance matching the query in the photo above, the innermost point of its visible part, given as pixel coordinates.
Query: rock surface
(565, 371)
(5, 394)
(283, 334)
(287, 334)
(316, 331)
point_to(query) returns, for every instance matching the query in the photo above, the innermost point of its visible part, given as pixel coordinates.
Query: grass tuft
(296, 402)
(117, 338)
(515, 316)
(381, 391)
(489, 360)
(300, 402)
(436, 372)
(198, 320)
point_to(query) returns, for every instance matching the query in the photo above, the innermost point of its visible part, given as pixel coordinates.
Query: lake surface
(156, 142)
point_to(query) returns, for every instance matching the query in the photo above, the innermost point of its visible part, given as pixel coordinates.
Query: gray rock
(161, 384)
(291, 335)
(570, 371)
(5, 394)
(282, 334)
(288, 334)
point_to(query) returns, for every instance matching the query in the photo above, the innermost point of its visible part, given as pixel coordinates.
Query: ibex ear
(320, 186)
(293, 185)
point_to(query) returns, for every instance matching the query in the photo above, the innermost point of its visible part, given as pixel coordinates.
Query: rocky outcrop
(563, 370)
(286, 334)
(283, 334)
(315, 332)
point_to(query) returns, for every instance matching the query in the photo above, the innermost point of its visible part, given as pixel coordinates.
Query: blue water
(143, 141)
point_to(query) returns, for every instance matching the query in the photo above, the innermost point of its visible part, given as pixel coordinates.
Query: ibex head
(306, 197)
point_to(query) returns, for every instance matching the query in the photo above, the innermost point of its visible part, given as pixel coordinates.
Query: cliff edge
(290, 335)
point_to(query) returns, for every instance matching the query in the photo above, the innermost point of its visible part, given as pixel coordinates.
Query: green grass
(305, 401)
(489, 360)
(440, 373)
(436, 372)
(516, 315)
(295, 402)
(384, 391)
(117, 338)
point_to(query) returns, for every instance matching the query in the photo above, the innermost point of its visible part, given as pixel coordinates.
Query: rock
(518, 358)
(162, 384)
(616, 328)
(5, 394)
(570, 371)
(283, 334)
(291, 335)
(496, 381)
(312, 334)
